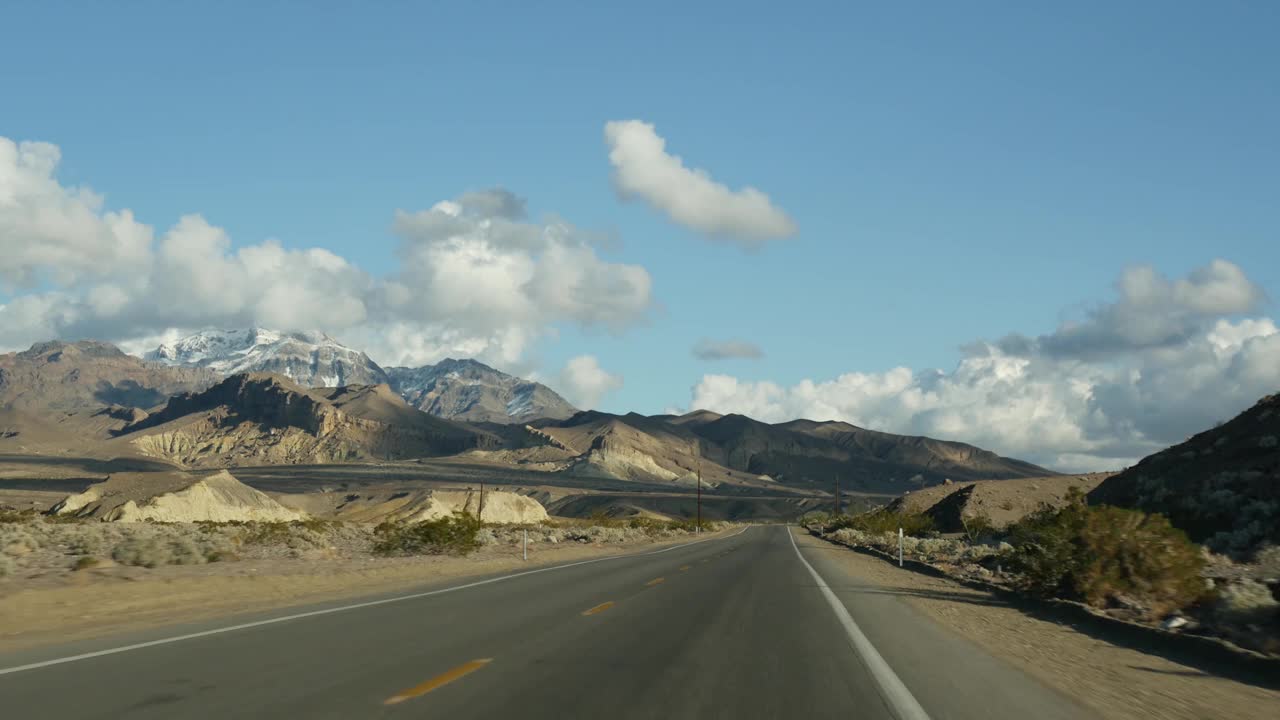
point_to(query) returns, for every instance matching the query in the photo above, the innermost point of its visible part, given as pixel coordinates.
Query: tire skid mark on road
(438, 681)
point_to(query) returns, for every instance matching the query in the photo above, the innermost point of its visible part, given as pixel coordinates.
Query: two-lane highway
(751, 625)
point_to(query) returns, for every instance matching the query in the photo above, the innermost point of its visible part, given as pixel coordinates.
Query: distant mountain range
(453, 389)
(303, 398)
(801, 454)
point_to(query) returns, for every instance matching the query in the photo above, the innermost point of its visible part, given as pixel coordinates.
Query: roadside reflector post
(526, 544)
(899, 547)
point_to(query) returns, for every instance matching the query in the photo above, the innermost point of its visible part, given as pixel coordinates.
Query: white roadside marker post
(526, 544)
(899, 547)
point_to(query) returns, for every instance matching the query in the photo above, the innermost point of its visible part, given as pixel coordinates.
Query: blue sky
(955, 172)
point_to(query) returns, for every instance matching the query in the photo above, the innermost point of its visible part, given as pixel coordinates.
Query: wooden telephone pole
(697, 458)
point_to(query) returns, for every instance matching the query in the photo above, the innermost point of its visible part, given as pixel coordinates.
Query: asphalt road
(732, 627)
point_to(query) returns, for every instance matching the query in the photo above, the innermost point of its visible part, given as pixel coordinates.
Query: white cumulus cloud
(1099, 394)
(476, 277)
(642, 168)
(584, 382)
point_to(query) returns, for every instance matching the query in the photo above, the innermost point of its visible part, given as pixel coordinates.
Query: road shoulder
(1116, 682)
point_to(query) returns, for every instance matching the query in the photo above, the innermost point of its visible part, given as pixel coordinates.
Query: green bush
(456, 535)
(1131, 553)
(883, 521)
(977, 527)
(85, 562)
(1103, 554)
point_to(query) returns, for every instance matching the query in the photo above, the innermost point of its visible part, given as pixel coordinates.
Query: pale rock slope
(175, 497)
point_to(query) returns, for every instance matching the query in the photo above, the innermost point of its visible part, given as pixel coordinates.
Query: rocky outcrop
(174, 497)
(1221, 486)
(472, 391)
(263, 419)
(88, 375)
(396, 505)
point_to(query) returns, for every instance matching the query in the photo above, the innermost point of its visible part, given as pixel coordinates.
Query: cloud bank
(1167, 359)
(643, 169)
(475, 277)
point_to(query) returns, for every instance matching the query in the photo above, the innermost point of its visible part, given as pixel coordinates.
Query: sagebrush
(454, 535)
(1104, 555)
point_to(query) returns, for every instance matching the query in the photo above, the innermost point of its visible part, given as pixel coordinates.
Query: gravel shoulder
(66, 607)
(1116, 681)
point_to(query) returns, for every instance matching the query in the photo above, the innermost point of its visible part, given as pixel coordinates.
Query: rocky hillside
(999, 503)
(473, 391)
(261, 419)
(805, 453)
(737, 450)
(1222, 486)
(83, 375)
(453, 389)
(312, 359)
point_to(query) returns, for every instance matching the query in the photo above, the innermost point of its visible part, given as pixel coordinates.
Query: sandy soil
(114, 599)
(1118, 682)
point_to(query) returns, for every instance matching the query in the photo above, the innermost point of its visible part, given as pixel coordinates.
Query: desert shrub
(1245, 602)
(86, 541)
(17, 516)
(7, 566)
(152, 551)
(85, 562)
(1131, 553)
(455, 535)
(266, 533)
(1268, 560)
(1103, 554)
(146, 552)
(884, 521)
(17, 540)
(977, 527)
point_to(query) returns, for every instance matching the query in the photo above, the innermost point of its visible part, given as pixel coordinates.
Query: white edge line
(344, 608)
(896, 695)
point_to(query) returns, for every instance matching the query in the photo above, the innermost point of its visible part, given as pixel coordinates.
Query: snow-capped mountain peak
(310, 358)
(461, 389)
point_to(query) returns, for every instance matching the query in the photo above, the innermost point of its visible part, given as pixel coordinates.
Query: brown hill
(804, 453)
(259, 419)
(87, 374)
(1222, 486)
(737, 450)
(999, 502)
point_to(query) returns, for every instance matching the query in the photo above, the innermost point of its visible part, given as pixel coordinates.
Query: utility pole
(697, 458)
(698, 527)
(480, 512)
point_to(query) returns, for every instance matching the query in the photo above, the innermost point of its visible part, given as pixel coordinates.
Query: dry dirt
(1002, 502)
(1117, 682)
(112, 599)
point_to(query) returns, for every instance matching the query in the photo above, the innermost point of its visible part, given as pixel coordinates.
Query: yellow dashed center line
(683, 568)
(599, 608)
(438, 681)
(655, 581)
